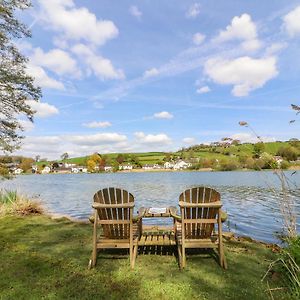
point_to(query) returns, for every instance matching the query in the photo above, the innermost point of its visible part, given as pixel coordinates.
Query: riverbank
(50, 261)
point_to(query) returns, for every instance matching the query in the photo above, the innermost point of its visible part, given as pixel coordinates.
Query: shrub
(229, 165)
(289, 153)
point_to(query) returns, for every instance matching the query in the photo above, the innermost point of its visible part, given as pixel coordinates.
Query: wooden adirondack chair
(114, 213)
(200, 210)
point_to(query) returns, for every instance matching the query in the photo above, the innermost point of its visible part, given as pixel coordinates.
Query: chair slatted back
(199, 222)
(109, 217)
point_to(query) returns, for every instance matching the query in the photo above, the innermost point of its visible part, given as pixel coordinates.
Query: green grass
(47, 259)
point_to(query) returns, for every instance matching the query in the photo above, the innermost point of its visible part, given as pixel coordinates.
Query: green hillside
(233, 153)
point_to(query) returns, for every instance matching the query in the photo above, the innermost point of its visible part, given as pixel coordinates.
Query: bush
(228, 165)
(289, 153)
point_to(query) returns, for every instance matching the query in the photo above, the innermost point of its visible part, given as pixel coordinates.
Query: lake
(253, 209)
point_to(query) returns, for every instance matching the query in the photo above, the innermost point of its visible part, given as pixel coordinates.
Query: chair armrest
(216, 204)
(224, 216)
(173, 213)
(119, 205)
(141, 212)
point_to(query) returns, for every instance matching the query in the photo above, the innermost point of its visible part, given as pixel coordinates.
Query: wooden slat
(113, 222)
(201, 221)
(217, 204)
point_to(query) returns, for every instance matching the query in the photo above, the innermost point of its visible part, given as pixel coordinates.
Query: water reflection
(247, 197)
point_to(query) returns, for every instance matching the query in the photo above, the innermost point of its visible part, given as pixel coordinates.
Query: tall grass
(12, 203)
(288, 262)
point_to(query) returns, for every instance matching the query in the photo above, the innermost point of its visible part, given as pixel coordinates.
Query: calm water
(247, 197)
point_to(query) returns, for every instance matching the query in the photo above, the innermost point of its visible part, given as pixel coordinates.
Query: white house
(69, 165)
(74, 170)
(18, 171)
(108, 168)
(82, 169)
(34, 168)
(168, 165)
(46, 170)
(148, 167)
(126, 167)
(181, 165)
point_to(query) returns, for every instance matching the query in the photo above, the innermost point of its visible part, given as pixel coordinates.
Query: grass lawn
(43, 258)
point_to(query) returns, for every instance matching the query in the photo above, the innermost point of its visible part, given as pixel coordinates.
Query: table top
(155, 212)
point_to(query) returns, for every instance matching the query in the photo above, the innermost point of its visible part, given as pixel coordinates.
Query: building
(126, 167)
(180, 165)
(108, 168)
(18, 171)
(168, 165)
(46, 170)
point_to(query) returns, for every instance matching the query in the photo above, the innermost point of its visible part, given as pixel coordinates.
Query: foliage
(228, 165)
(64, 156)
(26, 164)
(290, 153)
(258, 148)
(16, 86)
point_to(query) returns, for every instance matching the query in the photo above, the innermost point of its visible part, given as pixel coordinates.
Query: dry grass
(12, 203)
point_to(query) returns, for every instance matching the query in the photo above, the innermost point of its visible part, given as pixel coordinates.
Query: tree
(258, 148)
(26, 164)
(120, 159)
(64, 156)
(16, 86)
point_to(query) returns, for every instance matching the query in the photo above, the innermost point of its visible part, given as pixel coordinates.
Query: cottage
(108, 168)
(18, 171)
(168, 165)
(180, 165)
(34, 169)
(148, 167)
(126, 167)
(46, 170)
(82, 169)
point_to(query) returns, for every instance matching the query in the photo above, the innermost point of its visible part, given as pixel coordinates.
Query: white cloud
(76, 23)
(291, 22)
(251, 138)
(56, 60)
(96, 139)
(241, 28)
(163, 115)
(189, 140)
(43, 110)
(150, 73)
(135, 11)
(96, 124)
(198, 38)
(193, 11)
(26, 125)
(100, 66)
(152, 139)
(244, 73)
(203, 90)
(42, 79)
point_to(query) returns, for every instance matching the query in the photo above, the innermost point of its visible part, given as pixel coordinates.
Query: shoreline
(293, 168)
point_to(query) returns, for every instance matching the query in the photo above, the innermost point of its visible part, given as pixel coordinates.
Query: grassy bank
(45, 258)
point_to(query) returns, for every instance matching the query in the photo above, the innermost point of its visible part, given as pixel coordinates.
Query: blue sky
(123, 76)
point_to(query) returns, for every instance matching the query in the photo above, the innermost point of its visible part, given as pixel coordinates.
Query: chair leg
(94, 253)
(183, 257)
(222, 258)
(179, 256)
(134, 255)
